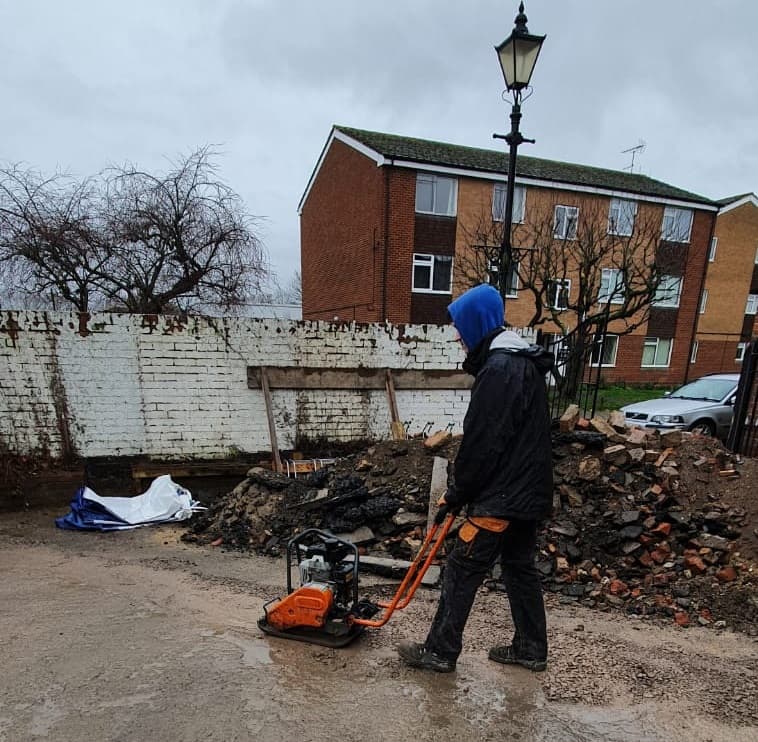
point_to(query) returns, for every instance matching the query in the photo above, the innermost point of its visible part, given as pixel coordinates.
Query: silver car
(704, 406)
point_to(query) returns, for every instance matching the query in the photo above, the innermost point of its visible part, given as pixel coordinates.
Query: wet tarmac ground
(136, 636)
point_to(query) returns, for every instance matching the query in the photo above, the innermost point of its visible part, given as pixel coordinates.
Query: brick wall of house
(678, 323)
(402, 229)
(731, 276)
(342, 238)
(716, 356)
(117, 385)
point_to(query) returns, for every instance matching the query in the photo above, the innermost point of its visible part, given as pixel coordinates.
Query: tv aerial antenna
(638, 149)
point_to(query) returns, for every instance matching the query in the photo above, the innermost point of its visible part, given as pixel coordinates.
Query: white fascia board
(555, 184)
(749, 199)
(354, 143)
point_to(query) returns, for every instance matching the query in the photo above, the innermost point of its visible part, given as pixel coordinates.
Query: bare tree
(130, 240)
(584, 267)
(49, 238)
(178, 240)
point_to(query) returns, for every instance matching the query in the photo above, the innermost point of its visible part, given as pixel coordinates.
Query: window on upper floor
(752, 304)
(677, 224)
(436, 194)
(432, 274)
(558, 291)
(656, 352)
(668, 292)
(498, 202)
(565, 222)
(604, 349)
(621, 217)
(703, 301)
(611, 286)
(712, 250)
(756, 255)
(511, 285)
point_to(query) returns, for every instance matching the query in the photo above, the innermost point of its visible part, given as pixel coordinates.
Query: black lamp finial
(521, 20)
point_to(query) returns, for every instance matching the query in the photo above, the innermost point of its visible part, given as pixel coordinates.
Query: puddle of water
(516, 703)
(255, 652)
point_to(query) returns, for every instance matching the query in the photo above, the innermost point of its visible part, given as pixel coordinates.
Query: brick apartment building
(386, 223)
(728, 307)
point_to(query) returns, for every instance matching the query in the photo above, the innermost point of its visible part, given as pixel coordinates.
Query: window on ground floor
(605, 349)
(741, 348)
(693, 354)
(432, 274)
(656, 352)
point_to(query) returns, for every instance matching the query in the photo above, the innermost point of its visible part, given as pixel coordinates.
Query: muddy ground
(136, 636)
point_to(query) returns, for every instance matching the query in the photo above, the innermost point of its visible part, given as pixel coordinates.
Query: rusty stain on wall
(10, 328)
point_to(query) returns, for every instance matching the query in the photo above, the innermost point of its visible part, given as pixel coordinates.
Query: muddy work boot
(506, 656)
(417, 655)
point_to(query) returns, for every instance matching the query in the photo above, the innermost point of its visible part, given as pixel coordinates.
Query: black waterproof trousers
(468, 565)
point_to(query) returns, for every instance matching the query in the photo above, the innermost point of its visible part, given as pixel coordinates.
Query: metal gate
(588, 357)
(743, 435)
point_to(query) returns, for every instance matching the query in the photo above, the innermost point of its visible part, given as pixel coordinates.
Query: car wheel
(703, 427)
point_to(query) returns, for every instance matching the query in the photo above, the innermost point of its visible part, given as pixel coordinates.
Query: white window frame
(499, 191)
(669, 301)
(421, 260)
(566, 233)
(656, 342)
(452, 206)
(703, 301)
(616, 276)
(559, 283)
(756, 256)
(712, 249)
(670, 227)
(612, 364)
(618, 205)
(741, 348)
(751, 306)
(695, 348)
(511, 292)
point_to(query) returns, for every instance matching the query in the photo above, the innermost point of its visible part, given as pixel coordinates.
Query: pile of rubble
(379, 499)
(639, 521)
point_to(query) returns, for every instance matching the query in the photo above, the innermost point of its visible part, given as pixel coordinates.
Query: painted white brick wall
(130, 384)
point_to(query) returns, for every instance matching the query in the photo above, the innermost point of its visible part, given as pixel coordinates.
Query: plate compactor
(325, 608)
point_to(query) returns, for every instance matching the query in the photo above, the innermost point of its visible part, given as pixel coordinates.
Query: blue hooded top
(476, 313)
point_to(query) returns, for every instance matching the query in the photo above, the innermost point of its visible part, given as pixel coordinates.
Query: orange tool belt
(473, 525)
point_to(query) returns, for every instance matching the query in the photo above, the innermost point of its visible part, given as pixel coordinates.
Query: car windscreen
(710, 390)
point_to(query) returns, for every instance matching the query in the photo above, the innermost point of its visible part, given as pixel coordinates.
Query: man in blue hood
(503, 477)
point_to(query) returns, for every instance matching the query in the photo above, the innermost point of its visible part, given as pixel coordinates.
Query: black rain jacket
(504, 464)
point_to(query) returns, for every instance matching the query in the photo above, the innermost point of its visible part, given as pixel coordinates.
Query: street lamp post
(517, 56)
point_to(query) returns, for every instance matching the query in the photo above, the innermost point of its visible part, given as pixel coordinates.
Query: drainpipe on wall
(386, 237)
(699, 298)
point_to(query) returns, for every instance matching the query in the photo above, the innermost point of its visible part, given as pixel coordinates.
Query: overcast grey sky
(86, 83)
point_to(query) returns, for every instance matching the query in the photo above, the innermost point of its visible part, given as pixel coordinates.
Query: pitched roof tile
(492, 161)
